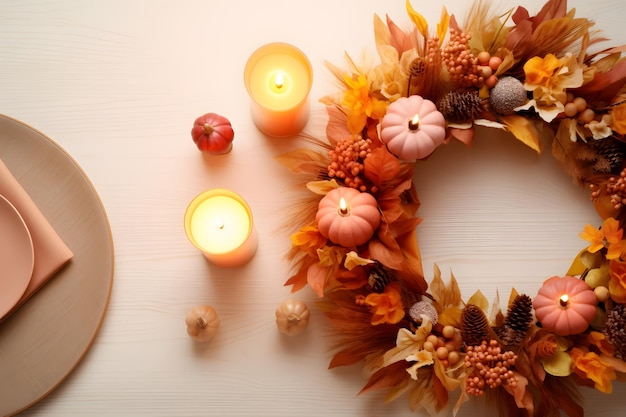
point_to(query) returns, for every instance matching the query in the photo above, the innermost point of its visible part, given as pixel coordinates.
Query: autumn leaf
(388, 376)
(316, 278)
(303, 161)
(336, 129)
(524, 130)
(381, 166)
(479, 300)
(445, 295)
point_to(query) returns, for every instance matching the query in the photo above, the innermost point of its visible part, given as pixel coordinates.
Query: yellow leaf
(578, 267)
(353, 260)
(523, 130)
(322, 187)
(451, 316)
(418, 19)
(512, 297)
(479, 300)
(442, 26)
(559, 364)
(446, 295)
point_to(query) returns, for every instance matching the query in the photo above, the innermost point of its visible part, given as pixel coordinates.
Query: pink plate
(16, 256)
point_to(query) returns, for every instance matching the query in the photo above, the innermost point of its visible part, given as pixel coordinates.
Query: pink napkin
(51, 253)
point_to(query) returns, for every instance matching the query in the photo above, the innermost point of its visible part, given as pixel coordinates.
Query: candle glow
(278, 77)
(343, 207)
(414, 122)
(219, 223)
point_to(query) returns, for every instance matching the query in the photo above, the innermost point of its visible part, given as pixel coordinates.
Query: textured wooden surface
(118, 84)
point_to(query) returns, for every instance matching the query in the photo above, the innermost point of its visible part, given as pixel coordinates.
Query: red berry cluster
(491, 367)
(346, 161)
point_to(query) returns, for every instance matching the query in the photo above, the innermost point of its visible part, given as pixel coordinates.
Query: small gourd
(213, 134)
(565, 305)
(347, 216)
(412, 128)
(292, 317)
(202, 323)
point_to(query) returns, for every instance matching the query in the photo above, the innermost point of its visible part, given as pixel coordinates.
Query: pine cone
(615, 329)
(610, 155)
(474, 325)
(518, 320)
(461, 106)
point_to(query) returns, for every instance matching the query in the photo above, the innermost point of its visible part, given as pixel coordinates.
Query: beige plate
(42, 342)
(16, 256)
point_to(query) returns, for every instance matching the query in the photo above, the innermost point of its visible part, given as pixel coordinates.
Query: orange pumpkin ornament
(412, 128)
(565, 305)
(347, 216)
(213, 134)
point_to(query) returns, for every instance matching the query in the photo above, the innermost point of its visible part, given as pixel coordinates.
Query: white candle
(219, 223)
(278, 77)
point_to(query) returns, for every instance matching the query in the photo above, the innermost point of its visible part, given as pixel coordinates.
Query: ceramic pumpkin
(347, 216)
(202, 323)
(565, 305)
(213, 134)
(412, 128)
(292, 317)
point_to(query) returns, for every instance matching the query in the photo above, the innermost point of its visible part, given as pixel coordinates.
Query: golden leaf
(303, 161)
(445, 295)
(559, 364)
(442, 26)
(479, 300)
(420, 21)
(524, 130)
(578, 267)
(322, 187)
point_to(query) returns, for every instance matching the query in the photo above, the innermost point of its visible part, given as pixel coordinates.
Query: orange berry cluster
(460, 61)
(346, 161)
(445, 347)
(616, 188)
(491, 367)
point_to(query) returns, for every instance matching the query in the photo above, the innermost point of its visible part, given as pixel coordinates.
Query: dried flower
(617, 280)
(386, 307)
(548, 78)
(361, 104)
(589, 365)
(609, 236)
(308, 239)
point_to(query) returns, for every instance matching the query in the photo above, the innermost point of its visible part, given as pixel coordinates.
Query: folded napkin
(51, 253)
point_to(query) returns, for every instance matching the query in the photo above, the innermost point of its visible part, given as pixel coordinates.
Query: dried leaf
(442, 26)
(420, 21)
(578, 267)
(559, 364)
(303, 161)
(322, 187)
(479, 300)
(316, 278)
(336, 128)
(524, 130)
(385, 249)
(564, 151)
(401, 40)
(604, 86)
(523, 397)
(388, 376)
(446, 295)
(381, 166)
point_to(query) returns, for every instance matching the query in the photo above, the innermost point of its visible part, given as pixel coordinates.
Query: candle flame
(278, 81)
(414, 122)
(220, 224)
(343, 207)
(564, 300)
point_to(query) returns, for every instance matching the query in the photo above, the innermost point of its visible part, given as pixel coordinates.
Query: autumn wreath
(354, 235)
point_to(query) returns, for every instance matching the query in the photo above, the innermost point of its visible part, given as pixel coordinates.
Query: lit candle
(278, 77)
(219, 223)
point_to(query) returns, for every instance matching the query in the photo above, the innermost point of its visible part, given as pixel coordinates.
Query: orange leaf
(524, 130)
(604, 86)
(381, 166)
(336, 129)
(388, 376)
(316, 277)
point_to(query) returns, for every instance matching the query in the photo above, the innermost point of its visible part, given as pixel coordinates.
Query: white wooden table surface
(118, 83)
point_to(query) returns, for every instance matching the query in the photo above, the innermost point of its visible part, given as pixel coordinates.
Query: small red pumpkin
(565, 305)
(213, 134)
(412, 128)
(347, 216)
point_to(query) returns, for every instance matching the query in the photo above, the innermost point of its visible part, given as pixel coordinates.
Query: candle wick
(220, 224)
(414, 122)
(564, 300)
(343, 207)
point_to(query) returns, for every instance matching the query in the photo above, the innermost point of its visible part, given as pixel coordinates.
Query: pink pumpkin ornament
(347, 216)
(565, 305)
(412, 128)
